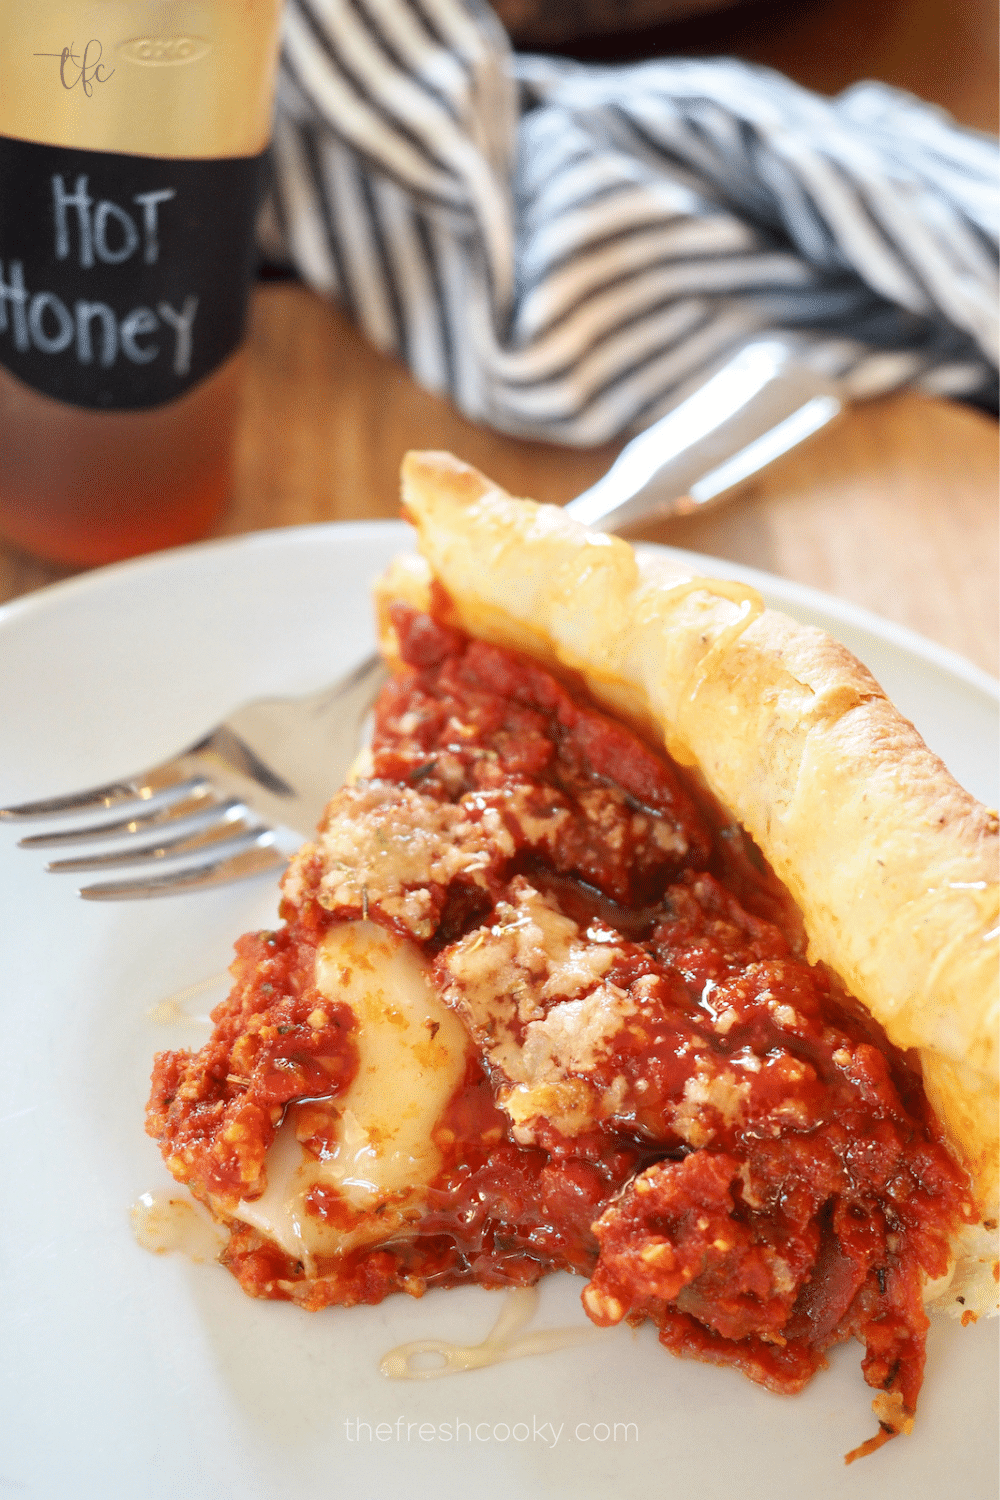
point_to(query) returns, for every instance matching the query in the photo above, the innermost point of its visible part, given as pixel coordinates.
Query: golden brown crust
(892, 864)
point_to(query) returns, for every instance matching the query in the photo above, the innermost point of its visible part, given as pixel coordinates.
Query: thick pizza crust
(891, 863)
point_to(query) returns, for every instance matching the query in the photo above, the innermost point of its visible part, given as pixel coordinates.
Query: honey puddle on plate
(172, 1010)
(165, 1220)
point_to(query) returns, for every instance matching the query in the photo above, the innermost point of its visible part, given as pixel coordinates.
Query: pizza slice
(650, 944)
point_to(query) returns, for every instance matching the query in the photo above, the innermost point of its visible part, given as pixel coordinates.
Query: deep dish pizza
(651, 944)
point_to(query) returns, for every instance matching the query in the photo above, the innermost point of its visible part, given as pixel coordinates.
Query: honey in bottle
(132, 161)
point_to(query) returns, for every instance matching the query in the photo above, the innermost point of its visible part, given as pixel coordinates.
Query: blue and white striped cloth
(564, 248)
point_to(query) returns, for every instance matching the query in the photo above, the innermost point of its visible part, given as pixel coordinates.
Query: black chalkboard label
(123, 279)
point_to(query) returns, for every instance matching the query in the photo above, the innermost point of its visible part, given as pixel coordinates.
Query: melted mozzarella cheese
(505, 1340)
(412, 1057)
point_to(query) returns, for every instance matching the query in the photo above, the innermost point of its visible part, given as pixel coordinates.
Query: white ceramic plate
(146, 1377)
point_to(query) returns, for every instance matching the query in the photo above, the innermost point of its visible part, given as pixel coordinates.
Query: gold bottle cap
(189, 78)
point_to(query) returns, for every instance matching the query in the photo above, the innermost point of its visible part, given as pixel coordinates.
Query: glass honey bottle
(133, 140)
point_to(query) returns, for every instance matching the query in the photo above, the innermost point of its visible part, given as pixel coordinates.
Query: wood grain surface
(894, 507)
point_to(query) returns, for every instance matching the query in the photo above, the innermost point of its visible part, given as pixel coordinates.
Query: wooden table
(895, 507)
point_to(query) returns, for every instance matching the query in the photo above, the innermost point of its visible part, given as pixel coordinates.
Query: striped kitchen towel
(565, 249)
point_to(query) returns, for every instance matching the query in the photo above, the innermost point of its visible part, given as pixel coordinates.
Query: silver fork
(223, 797)
(234, 802)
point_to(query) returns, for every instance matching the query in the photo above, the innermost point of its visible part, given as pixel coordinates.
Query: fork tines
(169, 800)
(233, 804)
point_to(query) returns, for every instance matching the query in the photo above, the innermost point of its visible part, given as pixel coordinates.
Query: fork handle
(760, 404)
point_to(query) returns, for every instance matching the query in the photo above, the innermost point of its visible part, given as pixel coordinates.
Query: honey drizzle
(751, 608)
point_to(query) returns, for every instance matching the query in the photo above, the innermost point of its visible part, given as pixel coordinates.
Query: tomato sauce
(756, 1171)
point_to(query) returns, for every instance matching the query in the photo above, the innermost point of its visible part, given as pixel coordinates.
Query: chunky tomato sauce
(732, 1152)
